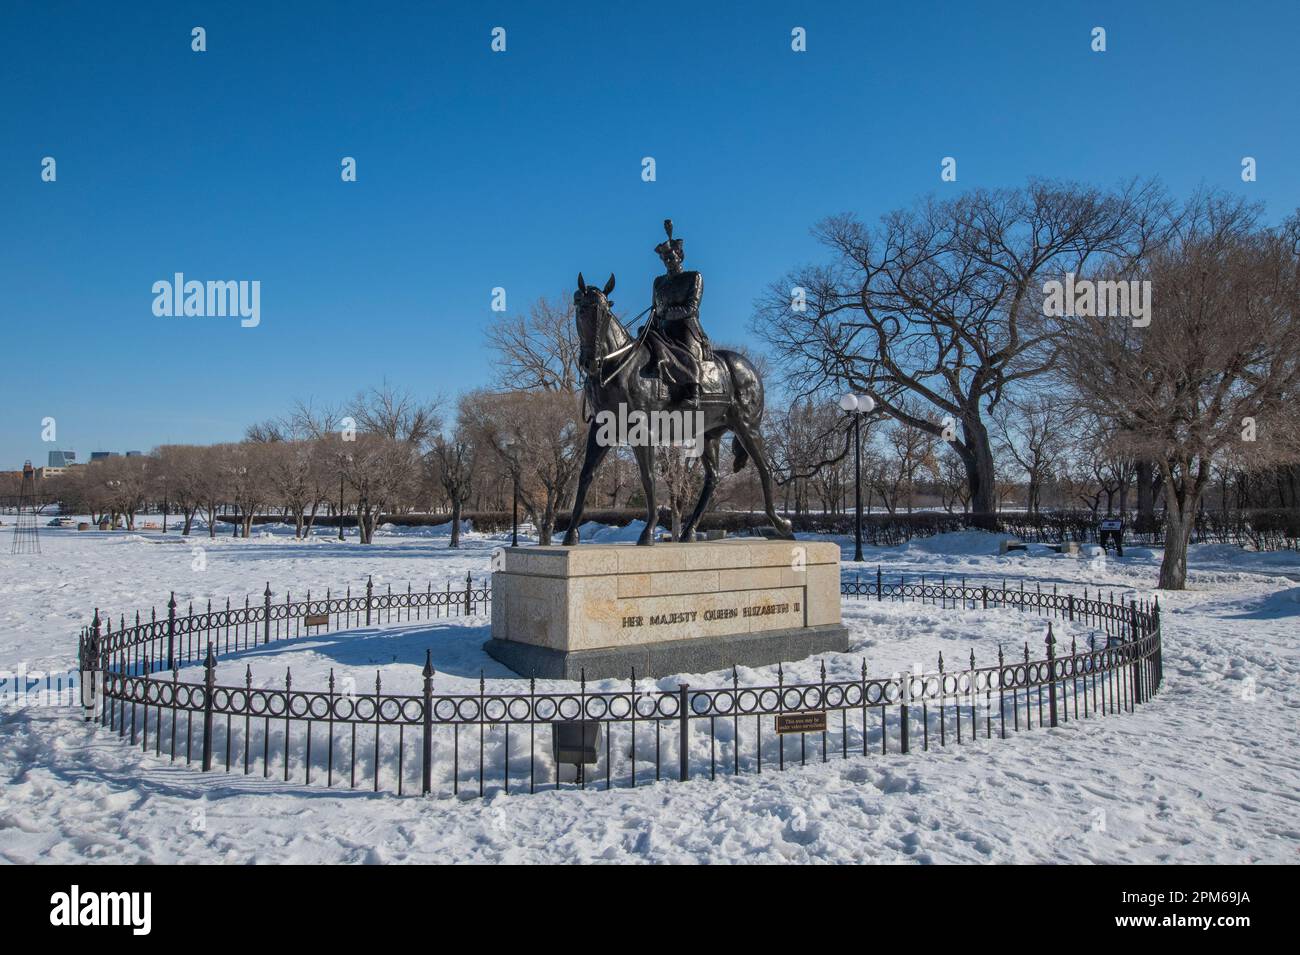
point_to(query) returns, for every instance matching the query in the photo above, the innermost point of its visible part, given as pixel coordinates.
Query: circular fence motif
(137, 668)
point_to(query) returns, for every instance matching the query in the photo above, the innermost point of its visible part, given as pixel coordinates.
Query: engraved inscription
(720, 613)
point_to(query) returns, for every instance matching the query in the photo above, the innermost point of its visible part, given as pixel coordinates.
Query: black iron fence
(1261, 529)
(629, 733)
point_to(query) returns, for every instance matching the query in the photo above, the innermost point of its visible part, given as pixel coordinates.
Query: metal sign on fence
(812, 722)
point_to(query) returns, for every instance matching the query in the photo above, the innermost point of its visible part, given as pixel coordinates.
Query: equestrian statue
(667, 365)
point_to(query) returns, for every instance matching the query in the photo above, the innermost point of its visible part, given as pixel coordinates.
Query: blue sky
(519, 169)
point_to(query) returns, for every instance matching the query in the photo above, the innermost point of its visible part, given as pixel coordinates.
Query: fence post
(1160, 651)
(904, 691)
(985, 589)
(879, 588)
(370, 584)
(266, 606)
(427, 771)
(89, 662)
(684, 725)
(468, 585)
(209, 682)
(171, 632)
(1071, 607)
(1137, 652)
(1051, 675)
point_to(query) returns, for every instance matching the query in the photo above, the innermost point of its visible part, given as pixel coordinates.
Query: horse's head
(598, 332)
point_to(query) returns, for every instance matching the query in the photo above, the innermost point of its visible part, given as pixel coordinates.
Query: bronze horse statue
(620, 373)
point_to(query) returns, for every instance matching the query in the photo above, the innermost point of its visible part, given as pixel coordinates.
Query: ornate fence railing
(618, 732)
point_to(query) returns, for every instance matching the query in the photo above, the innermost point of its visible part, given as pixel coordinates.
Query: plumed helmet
(675, 244)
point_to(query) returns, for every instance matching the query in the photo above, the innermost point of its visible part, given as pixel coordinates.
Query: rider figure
(676, 316)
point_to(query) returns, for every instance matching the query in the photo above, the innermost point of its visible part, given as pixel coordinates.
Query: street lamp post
(857, 406)
(340, 507)
(508, 444)
(164, 484)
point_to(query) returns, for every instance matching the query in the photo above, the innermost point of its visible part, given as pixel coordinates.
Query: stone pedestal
(669, 608)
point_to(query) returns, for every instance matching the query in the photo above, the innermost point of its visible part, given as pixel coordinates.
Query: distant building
(61, 459)
(101, 455)
(135, 454)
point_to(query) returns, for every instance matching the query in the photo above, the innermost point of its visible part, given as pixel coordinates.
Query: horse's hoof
(785, 529)
(646, 539)
(688, 537)
(570, 539)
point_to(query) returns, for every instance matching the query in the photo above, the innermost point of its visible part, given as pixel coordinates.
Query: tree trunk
(1178, 532)
(363, 519)
(980, 474)
(1146, 503)
(546, 524)
(455, 522)
(1181, 504)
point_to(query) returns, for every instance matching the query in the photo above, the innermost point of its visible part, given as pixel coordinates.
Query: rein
(630, 347)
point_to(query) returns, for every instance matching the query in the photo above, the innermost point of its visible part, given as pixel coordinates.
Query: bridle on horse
(603, 316)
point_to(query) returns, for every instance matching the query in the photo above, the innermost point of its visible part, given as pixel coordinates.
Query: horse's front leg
(596, 452)
(645, 459)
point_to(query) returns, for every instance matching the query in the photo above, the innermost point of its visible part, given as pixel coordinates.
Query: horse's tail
(741, 455)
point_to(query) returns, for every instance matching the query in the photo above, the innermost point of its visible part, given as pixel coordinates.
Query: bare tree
(538, 351)
(538, 437)
(907, 451)
(453, 461)
(180, 466)
(245, 466)
(951, 480)
(213, 486)
(293, 473)
(682, 477)
(942, 303)
(1218, 367)
(1032, 433)
(396, 415)
(308, 420)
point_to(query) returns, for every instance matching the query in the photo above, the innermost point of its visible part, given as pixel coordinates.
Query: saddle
(714, 381)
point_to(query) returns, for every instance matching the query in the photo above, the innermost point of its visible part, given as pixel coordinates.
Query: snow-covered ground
(1207, 772)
